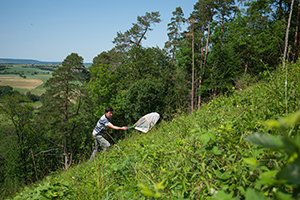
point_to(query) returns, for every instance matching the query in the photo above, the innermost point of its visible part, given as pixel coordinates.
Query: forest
(228, 46)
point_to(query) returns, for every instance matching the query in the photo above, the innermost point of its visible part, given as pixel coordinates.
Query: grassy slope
(190, 157)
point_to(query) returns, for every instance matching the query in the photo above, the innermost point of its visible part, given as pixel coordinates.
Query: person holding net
(99, 131)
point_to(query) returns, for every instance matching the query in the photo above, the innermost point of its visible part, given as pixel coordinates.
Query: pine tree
(174, 28)
(64, 91)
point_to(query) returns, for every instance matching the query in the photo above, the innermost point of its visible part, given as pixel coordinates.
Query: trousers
(100, 141)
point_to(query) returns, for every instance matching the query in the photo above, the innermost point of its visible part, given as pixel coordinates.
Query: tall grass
(196, 156)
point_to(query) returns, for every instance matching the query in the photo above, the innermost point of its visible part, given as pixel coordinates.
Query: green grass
(203, 155)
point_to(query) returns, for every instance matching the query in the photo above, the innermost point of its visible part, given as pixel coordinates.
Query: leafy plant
(286, 178)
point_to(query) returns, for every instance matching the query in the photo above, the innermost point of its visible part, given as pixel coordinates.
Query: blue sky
(50, 30)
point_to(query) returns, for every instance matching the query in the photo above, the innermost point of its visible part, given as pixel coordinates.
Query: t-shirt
(100, 128)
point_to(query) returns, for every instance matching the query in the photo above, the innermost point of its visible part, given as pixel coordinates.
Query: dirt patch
(43, 75)
(16, 82)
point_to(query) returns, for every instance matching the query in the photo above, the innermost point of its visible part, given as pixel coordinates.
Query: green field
(34, 81)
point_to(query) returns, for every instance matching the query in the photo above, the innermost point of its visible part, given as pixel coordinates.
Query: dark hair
(108, 109)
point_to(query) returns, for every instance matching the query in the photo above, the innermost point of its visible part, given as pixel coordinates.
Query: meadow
(242, 145)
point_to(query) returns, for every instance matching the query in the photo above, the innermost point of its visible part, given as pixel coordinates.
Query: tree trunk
(193, 71)
(66, 152)
(205, 57)
(34, 165)
(222, 29)
(247, 63)
(295, 54)
(287, 36)
(200, 77)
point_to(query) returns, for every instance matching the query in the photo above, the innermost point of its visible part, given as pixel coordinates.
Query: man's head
(109, 112)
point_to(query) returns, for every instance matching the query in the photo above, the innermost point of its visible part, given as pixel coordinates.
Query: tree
(203, 15)
(102, 87)
(295, 54)
(6, 90)
(174, 28)
(287, 36)
(103, 58)
(65, 90)
(19, 114)
(134, 36)
(144, 96)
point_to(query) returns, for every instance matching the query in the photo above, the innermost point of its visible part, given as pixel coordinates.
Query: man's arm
(116, 127)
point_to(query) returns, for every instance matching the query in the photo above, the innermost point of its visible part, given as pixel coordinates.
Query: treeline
(228, 45)
(9, 91)
(42, 67)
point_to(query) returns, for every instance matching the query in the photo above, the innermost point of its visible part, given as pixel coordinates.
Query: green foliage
(17, 138)
(174, 28)
(205, 155)
(50, 190)
(134, 36)
(286, 178)
(5, 90)
(143, 97)
(200, 156)
(66, 89)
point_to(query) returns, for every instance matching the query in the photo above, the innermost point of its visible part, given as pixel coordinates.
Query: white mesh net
(146, 122)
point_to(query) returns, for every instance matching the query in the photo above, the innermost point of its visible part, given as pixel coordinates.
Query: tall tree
(134, 36)
(174, 28)
(295, 53)
(203, 14)
(103, 58)
(64, 89)
(287, 35)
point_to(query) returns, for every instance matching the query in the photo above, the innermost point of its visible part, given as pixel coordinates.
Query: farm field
(34, 81)
(33, 85)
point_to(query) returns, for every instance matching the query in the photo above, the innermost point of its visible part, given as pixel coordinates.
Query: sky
(50, 30)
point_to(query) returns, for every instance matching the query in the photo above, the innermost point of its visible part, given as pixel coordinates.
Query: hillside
(30, 61)
(205, 155)
(25, 61)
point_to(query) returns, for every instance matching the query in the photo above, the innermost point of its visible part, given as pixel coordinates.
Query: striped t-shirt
(100, 128)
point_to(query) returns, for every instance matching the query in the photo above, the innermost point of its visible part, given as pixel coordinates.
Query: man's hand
(124, 128)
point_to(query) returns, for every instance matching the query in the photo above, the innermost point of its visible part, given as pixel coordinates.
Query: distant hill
(25, 61)
(29, 61)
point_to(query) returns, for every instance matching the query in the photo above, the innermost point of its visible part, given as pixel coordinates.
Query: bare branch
(56, 143)
(48, 151)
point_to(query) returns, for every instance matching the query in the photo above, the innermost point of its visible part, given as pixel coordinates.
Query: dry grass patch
(18, 82)
(46, 75)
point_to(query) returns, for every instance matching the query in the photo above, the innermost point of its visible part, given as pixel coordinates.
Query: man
(100, 131)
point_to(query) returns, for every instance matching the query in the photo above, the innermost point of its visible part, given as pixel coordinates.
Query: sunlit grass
(190, 157)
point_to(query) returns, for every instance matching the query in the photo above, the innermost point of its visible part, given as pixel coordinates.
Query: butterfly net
(146, 122)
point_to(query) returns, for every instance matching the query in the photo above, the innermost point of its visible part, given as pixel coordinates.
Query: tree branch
(56, 143)
(48, 151)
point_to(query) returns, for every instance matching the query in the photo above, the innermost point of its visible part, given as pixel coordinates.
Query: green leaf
(290, 173)
(145, 190)
(292, 119)
(272, 123)
(283, 196)
(224, 175)
(269, 174)
(251, 161)
(204, 139)
(252, 194)
(222, 195)
(216, 150)
(159, 186)
(212, 136)
(267, 181)
(266, 140)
